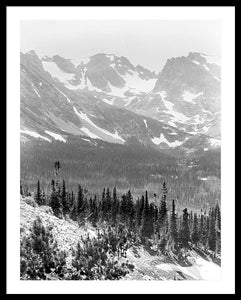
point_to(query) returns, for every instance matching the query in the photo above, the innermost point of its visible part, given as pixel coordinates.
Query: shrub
(40, 257)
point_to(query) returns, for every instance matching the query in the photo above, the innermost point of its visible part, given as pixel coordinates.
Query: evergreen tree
(57, 175)
(139, 211)
(44, 200)
(108, 204)
(218, 227)
(38, 195)
(164, 191)
(80, 202)
(123, 209)
(195, 234)
(115, 205)
(95, 213)
(202, 229)
(130, 210)
(103, 205)
(40, 255)
(55, 201)
(64, 199)
(173, 225)
(184, 235)
(218, 216)
(147, 223)
(21, 189)
(162, 218)
(212, 231)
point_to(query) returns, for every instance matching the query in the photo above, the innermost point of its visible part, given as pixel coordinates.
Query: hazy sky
(148, 43)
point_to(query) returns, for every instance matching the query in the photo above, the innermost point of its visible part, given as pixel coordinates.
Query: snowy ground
(149, 266)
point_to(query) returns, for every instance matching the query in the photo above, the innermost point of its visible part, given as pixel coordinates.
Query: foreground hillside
(147, 263)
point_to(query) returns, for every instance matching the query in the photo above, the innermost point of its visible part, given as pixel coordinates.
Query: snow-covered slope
(187, 95)
(152, 266)
(107, 73)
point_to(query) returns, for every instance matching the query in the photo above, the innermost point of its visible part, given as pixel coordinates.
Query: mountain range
(107, 98)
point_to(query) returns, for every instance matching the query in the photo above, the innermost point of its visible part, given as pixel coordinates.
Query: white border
(14, 16)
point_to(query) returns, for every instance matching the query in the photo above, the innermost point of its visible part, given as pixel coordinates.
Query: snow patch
(179, 117)
(133, 82)
(206, 67)
(196, 62)
(189, 97)
(214, 142)
(172, 124)
(119, 92)
(165, 267)
(142, 85)
(145, 123)
(111, 57)
(200, 269)
(207, 111)
(78, 61)
(56, 136)
(40, 83)
(89, 133)
(128, 101)
(36, 92)
(110, 102)
(56, 72)
(84, 117)
(35, 135)
(162, 139)
(64, 95)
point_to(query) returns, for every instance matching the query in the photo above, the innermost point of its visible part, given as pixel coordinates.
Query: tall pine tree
(55, 201)
(195, 233)
(184, 235)
(173, 226)
(38, 195)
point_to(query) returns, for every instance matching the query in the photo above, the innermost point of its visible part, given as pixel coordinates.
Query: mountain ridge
(114, 119)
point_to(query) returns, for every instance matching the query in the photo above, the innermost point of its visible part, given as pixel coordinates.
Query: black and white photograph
(121, 142)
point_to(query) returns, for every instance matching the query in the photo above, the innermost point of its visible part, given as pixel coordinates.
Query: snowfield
(110, 102)
(162, 139)
(90, 134)
(56, 72)
(77, 62)
(56, 136)
(201, 268)
(177, 116)
(215, 142)
(134, 84)
(87, 121)
(189, 97)
(34, 134)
